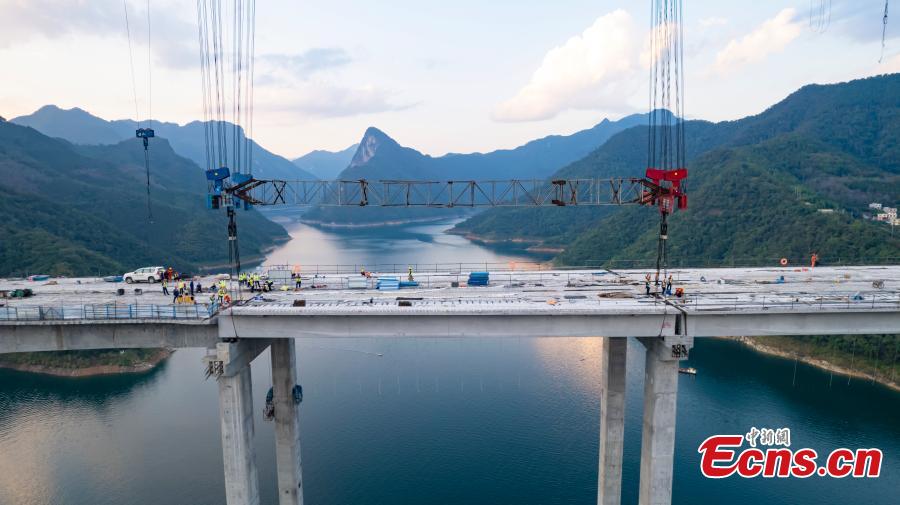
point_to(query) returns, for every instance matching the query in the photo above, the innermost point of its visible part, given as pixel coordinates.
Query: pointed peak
(373, 140)
(375, 133)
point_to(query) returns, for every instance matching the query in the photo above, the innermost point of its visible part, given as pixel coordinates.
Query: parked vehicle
(146, 274)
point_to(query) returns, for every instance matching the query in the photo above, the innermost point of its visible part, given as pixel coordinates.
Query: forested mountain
(79, 210)
(326, 165)
(378, 156)
(761, 187)
(80, 127)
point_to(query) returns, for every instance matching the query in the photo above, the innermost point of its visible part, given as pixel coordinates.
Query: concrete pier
(658, 434)
(239, 454)
(287, 422)
(612, 420)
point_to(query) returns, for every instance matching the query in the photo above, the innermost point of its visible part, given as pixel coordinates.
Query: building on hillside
(888, 216)
(876, 206)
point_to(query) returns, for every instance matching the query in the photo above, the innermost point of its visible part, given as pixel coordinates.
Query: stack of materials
(357, 282)
(388, 283)
(478, 279)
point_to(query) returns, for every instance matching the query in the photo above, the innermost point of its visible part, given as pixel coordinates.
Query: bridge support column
(287, 422)
(236, 412)
(658, 434)
(612, 420)
(231, 363)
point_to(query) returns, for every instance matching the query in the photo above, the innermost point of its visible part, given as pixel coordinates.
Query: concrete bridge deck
(87, 314)
(714, 289)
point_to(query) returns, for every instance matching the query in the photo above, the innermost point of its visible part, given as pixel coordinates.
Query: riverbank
(88, 365)
(518, 243)
(770, 346)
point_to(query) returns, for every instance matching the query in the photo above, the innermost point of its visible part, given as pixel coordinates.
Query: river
(442, 421)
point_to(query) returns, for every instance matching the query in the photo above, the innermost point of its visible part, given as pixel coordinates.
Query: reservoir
(429, 421)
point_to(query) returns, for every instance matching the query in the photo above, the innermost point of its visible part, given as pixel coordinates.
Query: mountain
(326, 165)
(82, 210)
(378, 156)
(758, 186)
(536, 159)
(81, 127)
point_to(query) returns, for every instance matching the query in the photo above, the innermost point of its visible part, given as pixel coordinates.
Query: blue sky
(442, 77)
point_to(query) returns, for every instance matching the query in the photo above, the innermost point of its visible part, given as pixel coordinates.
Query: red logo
(721, 457)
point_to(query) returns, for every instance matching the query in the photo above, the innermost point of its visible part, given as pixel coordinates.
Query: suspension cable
(884, 22)
(137, 115)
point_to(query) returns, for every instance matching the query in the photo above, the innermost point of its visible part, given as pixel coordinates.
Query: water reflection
(420, 244)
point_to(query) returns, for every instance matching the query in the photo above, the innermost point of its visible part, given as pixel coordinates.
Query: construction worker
(165, 285)
(297, 282)
(669, 286)
(813, 260)
(199, 287)
(647, 284)
(256, 278)
(175, 295)
(362, 271)
(410, 276)
(192, 287)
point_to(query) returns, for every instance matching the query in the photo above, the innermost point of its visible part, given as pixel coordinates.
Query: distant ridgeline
(379, 157)
(790, 181)
(81, 210)
(80, 127)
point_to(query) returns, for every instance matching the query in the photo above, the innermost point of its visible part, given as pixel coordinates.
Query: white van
(148, 274)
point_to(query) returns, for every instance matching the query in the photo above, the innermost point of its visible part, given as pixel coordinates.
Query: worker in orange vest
(813, 260)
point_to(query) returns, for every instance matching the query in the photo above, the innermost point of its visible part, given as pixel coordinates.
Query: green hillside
(749, 205)
(756, 186)
(82, 210)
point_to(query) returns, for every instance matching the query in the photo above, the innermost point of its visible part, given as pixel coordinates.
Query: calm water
(431, 421)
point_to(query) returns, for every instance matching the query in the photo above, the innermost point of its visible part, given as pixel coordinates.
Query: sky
(460, 76)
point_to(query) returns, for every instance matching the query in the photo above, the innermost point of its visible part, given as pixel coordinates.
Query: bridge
(76, 314)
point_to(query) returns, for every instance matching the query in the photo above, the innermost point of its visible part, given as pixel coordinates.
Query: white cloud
(713, 21)
(309, 62)
(310, 84)
(326, 99)
(174, 40)
(772, 36)
(590, 71)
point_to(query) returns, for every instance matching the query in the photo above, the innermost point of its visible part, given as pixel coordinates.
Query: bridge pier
(658, 433)
(238, 452)
(612, 419)
(232, 365)
(287, 422)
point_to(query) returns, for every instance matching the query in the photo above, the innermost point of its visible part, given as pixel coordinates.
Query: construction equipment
(232, 185)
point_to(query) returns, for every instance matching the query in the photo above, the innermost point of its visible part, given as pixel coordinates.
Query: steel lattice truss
(408, 193)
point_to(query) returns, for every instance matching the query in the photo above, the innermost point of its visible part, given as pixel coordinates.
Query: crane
(232, 184)
(658, 188)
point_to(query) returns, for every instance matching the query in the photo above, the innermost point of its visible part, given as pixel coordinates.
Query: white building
(876, 206)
